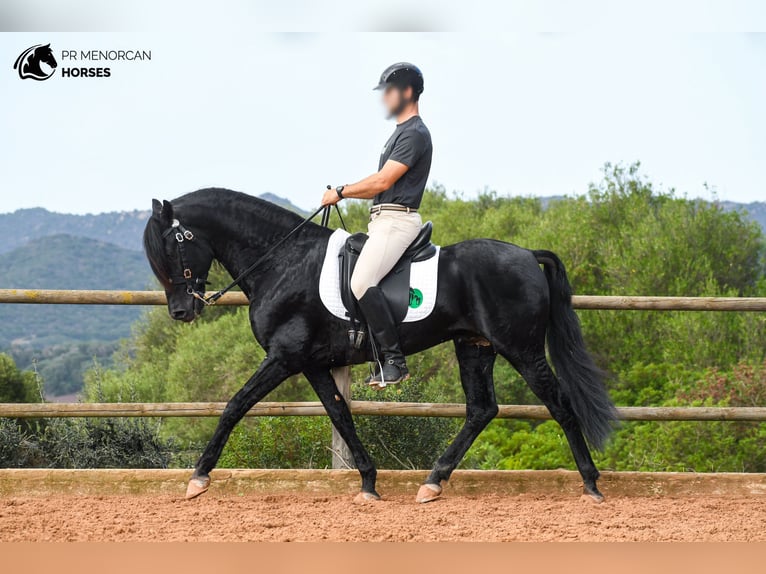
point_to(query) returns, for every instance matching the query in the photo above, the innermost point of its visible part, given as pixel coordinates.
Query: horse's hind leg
(324, 385)
(476, 359)
(538, 374)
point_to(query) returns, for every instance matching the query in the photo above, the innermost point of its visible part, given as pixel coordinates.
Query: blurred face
(395, 100)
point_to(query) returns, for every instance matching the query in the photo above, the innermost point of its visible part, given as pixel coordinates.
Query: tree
(16, 386)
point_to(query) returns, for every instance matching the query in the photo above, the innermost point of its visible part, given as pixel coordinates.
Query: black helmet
(402, 75)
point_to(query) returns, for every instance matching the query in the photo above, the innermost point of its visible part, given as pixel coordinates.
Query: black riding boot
(382, 327)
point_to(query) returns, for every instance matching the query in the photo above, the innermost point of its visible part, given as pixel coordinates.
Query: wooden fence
(599, 302)
(375, 408)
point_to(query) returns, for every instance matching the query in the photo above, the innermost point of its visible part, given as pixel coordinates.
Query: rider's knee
(359, 286)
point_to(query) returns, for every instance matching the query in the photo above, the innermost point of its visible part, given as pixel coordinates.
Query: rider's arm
(407, 150)
(376, 183)
(371, 185)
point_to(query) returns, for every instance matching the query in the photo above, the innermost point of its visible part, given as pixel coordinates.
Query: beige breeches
(390, 233)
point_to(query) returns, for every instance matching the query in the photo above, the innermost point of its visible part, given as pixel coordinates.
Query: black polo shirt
(410, 144)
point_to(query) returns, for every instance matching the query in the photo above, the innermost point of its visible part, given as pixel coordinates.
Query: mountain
(122, 228)
(62, 341)
(284, 202)
(24, 225)
(67, 262)
(70, 262)
(755, 210)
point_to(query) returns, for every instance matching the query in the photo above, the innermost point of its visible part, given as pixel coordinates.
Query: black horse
(493, 297)
(28, 63)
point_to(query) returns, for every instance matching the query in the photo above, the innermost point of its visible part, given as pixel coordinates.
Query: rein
(182, 235)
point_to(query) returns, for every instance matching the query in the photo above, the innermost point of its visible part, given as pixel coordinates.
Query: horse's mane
(238, 204)
(154, 247)
(271, 219)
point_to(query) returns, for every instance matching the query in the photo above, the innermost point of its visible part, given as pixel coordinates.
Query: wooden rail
(610, 303)
(99, 297)
(374, 408)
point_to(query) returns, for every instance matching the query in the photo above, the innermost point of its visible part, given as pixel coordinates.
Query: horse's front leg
(268, 376)
(324, 385)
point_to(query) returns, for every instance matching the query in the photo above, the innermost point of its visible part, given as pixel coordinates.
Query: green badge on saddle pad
(416, 298)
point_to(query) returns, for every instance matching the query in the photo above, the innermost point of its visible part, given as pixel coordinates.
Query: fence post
(341, 455)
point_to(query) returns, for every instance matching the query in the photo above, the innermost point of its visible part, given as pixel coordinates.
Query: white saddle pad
(423, 278)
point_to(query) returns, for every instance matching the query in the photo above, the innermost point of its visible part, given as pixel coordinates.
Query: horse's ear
(156, 207)
(47, 46)
(167, 212)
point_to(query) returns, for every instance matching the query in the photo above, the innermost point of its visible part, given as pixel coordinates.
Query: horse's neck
(236, 256)
(33, 63)
(237, 250)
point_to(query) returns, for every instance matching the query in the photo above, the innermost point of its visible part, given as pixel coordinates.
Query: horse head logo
(28, 63)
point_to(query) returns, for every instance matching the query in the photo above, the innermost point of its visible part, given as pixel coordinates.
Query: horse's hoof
(365, 497)
(197, 485)
(428, 493)
(594, 497)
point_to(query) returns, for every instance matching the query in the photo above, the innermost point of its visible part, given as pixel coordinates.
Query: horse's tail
(580, 378)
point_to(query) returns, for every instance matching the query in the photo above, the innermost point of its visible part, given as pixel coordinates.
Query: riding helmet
(402, 75)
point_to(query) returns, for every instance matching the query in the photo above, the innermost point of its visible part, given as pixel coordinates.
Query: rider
(396, 191)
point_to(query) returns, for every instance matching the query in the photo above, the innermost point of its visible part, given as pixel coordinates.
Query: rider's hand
(330, 197)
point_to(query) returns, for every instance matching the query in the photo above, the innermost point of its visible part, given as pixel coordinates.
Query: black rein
(196, 286)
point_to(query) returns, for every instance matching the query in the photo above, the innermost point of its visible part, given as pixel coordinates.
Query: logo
(416, 298)
(38, 62)
(29, 63)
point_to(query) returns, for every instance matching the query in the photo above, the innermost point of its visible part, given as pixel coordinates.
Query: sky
(287, 113)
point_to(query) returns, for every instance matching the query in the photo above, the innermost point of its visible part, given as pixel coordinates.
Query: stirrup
(381, 379)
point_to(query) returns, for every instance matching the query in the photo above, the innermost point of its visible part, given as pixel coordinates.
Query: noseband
(195, 286)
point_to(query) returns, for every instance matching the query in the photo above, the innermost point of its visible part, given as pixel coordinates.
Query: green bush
(699, 446)
(519, 445)
(304, 442)
(75, 442)
(404, 442)
(18, 449)
(104, 443)
(279, 442)
(687, 446)
(649, 446)
(84, 443)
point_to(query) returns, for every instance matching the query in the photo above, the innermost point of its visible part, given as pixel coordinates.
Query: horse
(493, 298)
(28, 63)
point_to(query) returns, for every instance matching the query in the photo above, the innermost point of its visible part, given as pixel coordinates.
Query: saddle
(395, 285)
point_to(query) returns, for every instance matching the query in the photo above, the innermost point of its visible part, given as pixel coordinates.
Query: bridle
(195, 286)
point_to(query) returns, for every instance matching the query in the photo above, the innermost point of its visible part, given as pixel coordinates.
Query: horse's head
(180, 259)
(45, 54)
